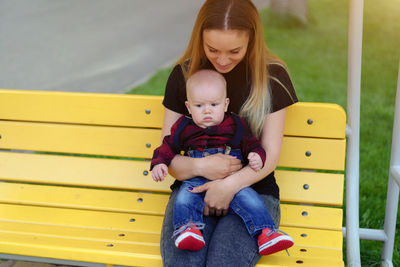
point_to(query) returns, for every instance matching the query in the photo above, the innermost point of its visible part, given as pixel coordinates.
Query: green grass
(316, 54)
(155, 85)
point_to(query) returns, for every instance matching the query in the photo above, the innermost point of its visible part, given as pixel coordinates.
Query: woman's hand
(218, 166)
(219, 195)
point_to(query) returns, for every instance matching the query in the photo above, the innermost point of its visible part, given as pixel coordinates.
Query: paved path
(91, 45)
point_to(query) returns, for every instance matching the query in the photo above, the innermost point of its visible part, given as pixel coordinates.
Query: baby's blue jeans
(247, 204)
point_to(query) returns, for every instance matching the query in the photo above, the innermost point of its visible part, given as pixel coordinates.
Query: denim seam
(187, 221)
(255, 255)
(247, 218)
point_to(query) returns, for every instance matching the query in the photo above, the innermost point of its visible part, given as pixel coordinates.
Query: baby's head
(206, 98)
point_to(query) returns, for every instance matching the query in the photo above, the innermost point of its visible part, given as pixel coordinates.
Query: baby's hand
(255, 161)
(159, 172)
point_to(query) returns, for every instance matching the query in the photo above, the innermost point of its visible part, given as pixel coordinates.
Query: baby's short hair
(206, 76)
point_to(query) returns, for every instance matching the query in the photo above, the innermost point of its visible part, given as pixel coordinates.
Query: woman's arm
(221, 192)
(212, 167)
(170, 117)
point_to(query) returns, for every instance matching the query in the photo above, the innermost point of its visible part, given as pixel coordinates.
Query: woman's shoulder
(281, 86)
(176, 77)
(278, 70)
(175, 91)
(177, 70)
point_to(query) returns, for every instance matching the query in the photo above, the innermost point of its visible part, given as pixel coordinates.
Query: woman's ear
(188, 106)
(226, 104)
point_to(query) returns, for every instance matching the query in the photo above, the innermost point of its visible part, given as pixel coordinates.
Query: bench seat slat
(326, 154)
(303, 252)
(68, 249)
(83, 198)
(147, 224)
(82, 218)
(329, 120)
(79, 250)
(298, 261)
(152, 204)
(329, 240)
(125, 174)
(315, 237)
(63, 246)
(77, 232)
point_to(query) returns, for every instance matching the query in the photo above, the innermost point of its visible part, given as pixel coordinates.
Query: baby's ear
(227, 100)
(187, 106)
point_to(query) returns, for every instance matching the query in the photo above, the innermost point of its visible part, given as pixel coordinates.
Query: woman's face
(225, 48)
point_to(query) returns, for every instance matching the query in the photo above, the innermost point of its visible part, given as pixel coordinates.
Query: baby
(210, 131)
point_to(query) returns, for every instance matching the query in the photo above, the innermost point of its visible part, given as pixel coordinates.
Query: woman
(228, 37)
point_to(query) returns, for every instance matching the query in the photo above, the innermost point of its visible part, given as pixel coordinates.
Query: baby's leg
(173, 256)
(249, 206)
(188, 206)
(188, 216)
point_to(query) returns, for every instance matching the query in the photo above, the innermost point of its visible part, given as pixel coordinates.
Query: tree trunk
(296, 8)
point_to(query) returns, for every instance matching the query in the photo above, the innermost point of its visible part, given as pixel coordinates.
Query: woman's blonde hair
(236, 15)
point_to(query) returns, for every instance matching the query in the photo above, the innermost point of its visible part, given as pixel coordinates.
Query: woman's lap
(227, 240)
(231, 244)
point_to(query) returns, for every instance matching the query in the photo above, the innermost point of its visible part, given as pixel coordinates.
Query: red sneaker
(190, 239)
(272, 241)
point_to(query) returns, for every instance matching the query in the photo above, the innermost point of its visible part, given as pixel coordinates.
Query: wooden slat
(138, 255)
(311, 187)
(315, 238)
(114, 236)
(140, 143)
(303, 216)
(90, 172)
(81, 108)
(129, 110)
(146, 203)
(83, 198)
(326, 154)
(146, 224)
(93, 140)
(79, 250)
(124, 174)
(82, 218)
(84, 233)
(295, 260)
(327, 120)
(301, 253)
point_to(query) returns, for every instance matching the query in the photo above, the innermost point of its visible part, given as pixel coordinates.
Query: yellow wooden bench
(59, 204)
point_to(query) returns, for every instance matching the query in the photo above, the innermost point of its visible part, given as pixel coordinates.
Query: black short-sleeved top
(238, 89)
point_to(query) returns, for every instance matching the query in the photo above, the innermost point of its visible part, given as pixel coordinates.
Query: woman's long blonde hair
(236, 15)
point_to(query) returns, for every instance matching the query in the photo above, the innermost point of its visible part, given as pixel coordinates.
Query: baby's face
(207, 105)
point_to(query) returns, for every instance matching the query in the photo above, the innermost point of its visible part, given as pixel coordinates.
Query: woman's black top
(238, 89)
